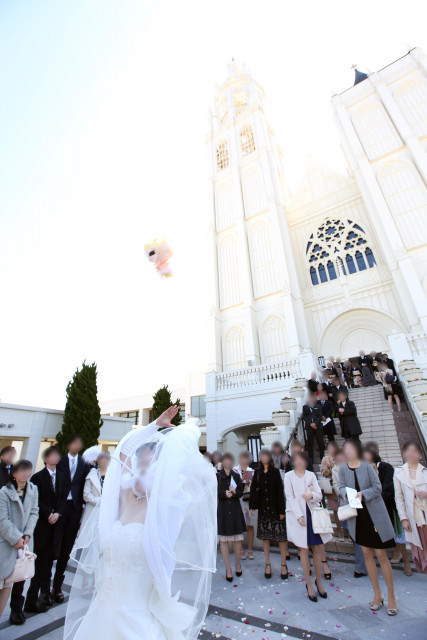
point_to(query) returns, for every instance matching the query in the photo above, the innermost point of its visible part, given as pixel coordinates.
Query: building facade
(338, 266)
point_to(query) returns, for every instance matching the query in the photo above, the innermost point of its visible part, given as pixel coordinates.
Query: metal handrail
(293, 434)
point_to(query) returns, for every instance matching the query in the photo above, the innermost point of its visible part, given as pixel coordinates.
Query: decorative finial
(353, 66)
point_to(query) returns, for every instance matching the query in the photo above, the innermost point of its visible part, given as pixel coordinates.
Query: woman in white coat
(302, 490)
(410, 484)
(94, 482)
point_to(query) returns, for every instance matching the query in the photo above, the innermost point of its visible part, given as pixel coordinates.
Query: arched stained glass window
(370, 257)
(322, 273)
(247, 141)
(342, 246)
(360, 261)
(313, 275)
(331, 270)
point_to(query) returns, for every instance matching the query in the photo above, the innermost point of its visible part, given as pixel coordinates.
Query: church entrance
(358, 329)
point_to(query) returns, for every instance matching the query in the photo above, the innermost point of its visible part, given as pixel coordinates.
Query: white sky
(102, 129)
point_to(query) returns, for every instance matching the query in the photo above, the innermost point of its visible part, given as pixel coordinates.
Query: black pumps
(322, 594)
(312, 598)
(284, 576)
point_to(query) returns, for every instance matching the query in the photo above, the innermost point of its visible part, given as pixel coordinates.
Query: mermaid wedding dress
(150, 548)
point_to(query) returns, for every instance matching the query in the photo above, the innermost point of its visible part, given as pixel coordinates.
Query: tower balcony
(278, 374)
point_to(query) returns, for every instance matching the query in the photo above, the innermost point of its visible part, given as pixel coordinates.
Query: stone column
(400, 347)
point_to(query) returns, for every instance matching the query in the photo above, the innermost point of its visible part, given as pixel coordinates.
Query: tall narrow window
(370, 258)
(240, 101)
(222, 157)
(313, 274)
(350, 264)
(322, 273)
(247, 141)
(360, 261)
(341, 266)
(331, 270)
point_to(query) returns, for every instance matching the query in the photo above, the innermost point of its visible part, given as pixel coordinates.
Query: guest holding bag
(410, 483)
(303, 493)
(231, 521)
(369, 526)
(18, 517)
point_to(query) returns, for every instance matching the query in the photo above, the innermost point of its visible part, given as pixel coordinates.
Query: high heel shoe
(239, 573)
(392, 612)
(312, 598)
(322, 594)
(376, 607)
(327, 576)
(267, 575)
(227, 578)
(284, 576)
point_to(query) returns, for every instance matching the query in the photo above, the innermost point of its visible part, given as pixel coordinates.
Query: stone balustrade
(264, 374)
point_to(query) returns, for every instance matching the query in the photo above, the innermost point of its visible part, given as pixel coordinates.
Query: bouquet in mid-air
(159, 253)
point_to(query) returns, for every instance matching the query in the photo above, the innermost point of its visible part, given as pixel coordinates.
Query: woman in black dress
(231, 521)
(268, 496)
(371, 528)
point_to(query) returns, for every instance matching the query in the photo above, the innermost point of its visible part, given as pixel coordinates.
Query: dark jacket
(76, 486)
(311, 414)
(335, 391)
(290, 465)
(50, 501)
(386, 476)
(350, 425)
(4, 474)
(231, 521)
(365, 360)
(312, 385)
(327, 410)
(267, 493)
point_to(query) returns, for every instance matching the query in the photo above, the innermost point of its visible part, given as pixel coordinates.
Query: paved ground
(253, 608)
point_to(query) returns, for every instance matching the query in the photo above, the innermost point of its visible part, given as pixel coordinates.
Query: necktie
(52, 475)
(73, 468)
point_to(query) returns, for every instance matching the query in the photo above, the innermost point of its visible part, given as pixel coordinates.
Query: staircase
(377, 422)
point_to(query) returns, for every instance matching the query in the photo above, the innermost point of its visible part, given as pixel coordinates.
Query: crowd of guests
(282, 490)
(43, 512)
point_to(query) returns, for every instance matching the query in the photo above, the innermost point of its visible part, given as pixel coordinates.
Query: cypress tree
(162, 400)
(82, 413)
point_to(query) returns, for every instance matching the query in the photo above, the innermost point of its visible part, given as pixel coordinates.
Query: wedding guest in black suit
(366, 363)
(7, 457)
(327, 409)
(74, 470)
(336, 388)
(313, 383)
(350, 425)
(297, 446)
(312, 420)
(48, 532)
(231, 521)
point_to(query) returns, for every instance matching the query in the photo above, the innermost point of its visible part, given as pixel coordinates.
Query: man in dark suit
(48, 532)
(312, 420)
(335, 389)
(350, 425)
(74, 470)
(7, 458)
(327, 410)
(366, 364)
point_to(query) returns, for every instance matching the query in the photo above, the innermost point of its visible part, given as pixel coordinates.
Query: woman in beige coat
(302, 490)
(410, 484)
(94, 482)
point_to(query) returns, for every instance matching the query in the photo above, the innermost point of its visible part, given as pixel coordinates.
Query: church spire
(359, 76)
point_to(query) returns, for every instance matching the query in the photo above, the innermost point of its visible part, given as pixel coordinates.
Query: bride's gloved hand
(165, 420)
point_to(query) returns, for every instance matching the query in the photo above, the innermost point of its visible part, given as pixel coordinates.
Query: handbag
(320, 520)
(24, 568)
(326, 485)
(345, 512)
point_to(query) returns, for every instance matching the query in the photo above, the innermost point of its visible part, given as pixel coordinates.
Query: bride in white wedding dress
(150, 547)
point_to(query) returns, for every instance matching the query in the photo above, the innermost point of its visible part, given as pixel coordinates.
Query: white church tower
(258, 317)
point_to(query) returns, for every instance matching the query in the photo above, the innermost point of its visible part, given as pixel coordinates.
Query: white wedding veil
(158, 478)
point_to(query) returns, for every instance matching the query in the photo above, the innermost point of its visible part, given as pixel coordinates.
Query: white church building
(338, 266)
